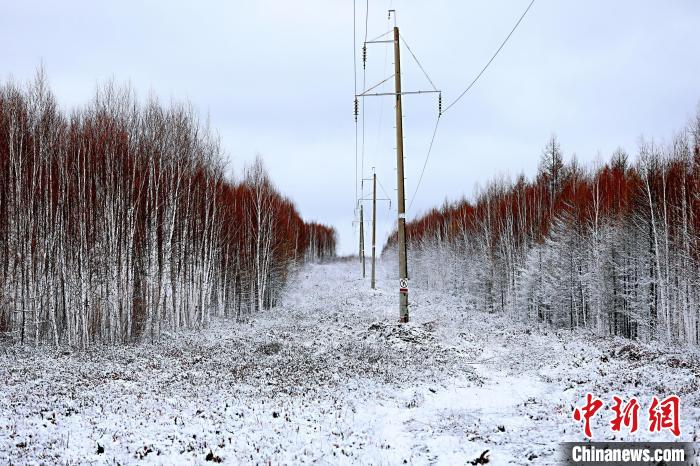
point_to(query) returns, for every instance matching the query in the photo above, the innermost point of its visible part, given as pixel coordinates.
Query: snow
(329, 376)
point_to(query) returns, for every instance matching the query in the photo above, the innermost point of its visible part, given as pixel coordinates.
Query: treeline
(321, 242)
(615, 249)
(117, 222)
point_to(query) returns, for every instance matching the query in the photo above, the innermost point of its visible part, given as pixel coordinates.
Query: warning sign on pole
(403, 285)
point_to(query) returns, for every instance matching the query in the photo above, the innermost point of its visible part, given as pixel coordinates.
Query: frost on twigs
(395, 333)
(269, 349)
(482, 459)
(327, 378)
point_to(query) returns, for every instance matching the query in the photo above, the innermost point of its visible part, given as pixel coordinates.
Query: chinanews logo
(654, 415)
(660, 414)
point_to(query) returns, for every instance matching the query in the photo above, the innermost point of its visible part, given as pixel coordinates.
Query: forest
(613, 248)
(118, 222)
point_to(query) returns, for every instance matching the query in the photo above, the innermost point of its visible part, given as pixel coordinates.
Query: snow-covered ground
(330, 377)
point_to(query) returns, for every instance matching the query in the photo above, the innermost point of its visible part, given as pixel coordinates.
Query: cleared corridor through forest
(329, 376)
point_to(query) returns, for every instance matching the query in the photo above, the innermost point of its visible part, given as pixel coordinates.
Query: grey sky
(276, 78)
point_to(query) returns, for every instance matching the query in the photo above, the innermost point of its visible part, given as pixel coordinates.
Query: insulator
(364, 56)
(357, 108)
(440, 104)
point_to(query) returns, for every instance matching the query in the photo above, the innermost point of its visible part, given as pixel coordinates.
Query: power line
(380, 36)
(425, 164)
(376, 85)
(418, 62)
(383, 190)
(381, 101)
(364, 85)
(366, 19)
(354, 69)
(437, 122)
(492, 58)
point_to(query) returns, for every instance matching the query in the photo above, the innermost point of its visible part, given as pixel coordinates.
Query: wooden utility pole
(374, 226)
(401, 204)
(362, 240)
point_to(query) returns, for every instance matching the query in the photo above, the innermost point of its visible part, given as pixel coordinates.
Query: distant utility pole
(374, 226)
(362, 240)
(374, 223)
(401, 204)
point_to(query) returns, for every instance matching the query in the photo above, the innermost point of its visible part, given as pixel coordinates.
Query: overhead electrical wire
(492, 58)
(377, 149)
(441, 111)
(418, 62)
(354, 69)
(425, 164)
(364, 85)
(377, 85)
(366, 19)
(384, 190)
(380, 36)
(437, 122)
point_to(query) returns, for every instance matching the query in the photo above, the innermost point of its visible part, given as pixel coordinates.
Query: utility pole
(401, 204)
(362, 240)
(374, 226)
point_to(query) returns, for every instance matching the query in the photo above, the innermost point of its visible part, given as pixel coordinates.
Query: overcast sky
(276, 78)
